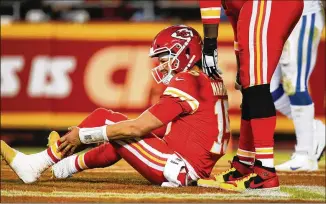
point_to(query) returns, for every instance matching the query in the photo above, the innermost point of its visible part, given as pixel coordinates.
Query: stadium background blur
(60, 60)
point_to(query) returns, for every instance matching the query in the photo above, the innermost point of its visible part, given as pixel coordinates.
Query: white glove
(209, 58)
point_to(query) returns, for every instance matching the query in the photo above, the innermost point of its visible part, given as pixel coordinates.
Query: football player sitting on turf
(193, 107)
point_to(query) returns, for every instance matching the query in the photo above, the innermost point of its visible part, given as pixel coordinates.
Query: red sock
(263, 131)
(246, 149)
(53, 154)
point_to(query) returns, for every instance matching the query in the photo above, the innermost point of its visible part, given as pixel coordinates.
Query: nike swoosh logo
(295, 168)
(231, 178)
(254, 185)
(179, 79)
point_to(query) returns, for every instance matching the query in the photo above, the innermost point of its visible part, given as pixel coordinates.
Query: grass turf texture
(120, 183)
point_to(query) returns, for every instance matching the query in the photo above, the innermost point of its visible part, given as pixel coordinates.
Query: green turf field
(121, 183)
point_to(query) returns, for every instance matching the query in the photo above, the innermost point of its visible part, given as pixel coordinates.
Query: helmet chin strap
(166, 80)
(190, 61)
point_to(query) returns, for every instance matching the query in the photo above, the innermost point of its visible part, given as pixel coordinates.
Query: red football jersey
(198, 109)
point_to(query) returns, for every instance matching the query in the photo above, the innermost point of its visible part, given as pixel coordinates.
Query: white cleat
(298, 162)
(319, 138)
(64, 168)
(25, 166)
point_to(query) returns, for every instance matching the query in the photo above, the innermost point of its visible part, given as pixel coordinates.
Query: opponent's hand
(69, 142)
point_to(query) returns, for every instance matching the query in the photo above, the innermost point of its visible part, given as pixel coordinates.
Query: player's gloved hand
(209, 58)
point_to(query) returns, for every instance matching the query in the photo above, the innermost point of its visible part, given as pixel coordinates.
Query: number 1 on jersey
(221, 110)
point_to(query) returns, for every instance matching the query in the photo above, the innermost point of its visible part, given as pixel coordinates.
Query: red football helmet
(182, 45)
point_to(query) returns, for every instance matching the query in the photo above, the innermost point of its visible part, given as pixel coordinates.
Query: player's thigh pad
(173, 167)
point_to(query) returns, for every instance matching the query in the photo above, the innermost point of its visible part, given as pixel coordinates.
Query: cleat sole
(53, 137)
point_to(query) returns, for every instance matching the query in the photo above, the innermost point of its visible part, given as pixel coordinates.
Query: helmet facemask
(172, 63)
(182, 48)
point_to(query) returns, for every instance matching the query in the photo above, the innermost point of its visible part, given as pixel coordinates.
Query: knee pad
(300, 98)
(245, 114)
(259, 101)
(173, 167)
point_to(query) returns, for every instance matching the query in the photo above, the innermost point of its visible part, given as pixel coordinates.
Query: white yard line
(130, 170)
(183, 196)
(272, 195)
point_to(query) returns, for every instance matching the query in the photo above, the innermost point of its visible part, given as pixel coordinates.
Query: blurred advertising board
(53, 75)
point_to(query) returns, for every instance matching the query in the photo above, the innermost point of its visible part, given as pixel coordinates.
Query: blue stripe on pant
(309, 50)
(278, 93)
(300, 50)
(303, 98)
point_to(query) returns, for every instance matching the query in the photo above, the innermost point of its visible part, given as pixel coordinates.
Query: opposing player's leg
(258, 60)
(29, 167)
(297, 63)
(300, 161)
(281, 100)
(319, 143)
(309, 33)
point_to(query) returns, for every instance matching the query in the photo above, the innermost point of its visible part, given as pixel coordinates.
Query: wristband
(93, 135)
(210, 44)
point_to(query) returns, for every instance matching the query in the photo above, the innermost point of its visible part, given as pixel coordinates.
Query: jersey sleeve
(210, 11)
(179, 98)
(166, 109)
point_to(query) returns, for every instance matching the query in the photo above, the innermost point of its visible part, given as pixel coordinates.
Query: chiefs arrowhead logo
(183, 33)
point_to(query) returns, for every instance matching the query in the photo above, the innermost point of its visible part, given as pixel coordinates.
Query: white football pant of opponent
(289, 88)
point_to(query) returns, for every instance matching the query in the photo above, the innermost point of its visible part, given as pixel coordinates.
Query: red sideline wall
(53, 75)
